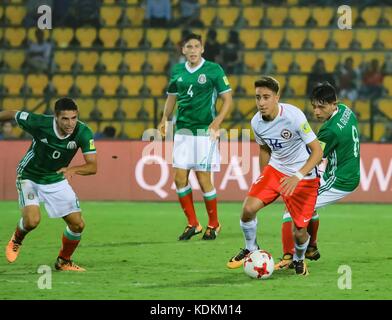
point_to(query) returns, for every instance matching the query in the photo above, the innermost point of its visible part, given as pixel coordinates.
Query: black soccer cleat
(312, 253)
(190, 231)
(211, 233)
(301, 268)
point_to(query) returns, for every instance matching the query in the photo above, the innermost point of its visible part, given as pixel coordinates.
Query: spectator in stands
(38, 53)
(372, 79)
(349, 80)
(7, 131)
(158, 13)
(212, 47)
(109, 132)
(318, 74)
(232, 55)
(84, 13)
(268, 66)
(387, 136)
(190, 14)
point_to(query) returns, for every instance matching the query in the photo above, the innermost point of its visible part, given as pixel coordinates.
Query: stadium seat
(371, 15)
(387, 83)
(86, 36)
(330, 59)
(370, 55)
(37, 105)
(156, 37)
(387, 13)
(298, 102)
(62, 83)
(228, 15)
(14, 59)
(158, 60)
(85, 107)
(299, 15)
(110, 15)
(15, 14)
(247, 106)
(254, 60)
(111, 60)
(109, 37)
(31, 34)
(1, 13)
(134, 130)
(64, 60)
(107, 107)
(157, 84)
(305, 60)
(133, 84)
(222, 35)
(109, 84)
(277, 15)
(385, 35)
(366, 37)
(15, 36)
(12, 103)
(63, 36)
(247, 82)
(86, 84)
(116, 124)
(282, 60)
(298, 84)
(319, 38)
(384, 105)
(249, 37)
(135, 15)
(88, 60)
(343, 38)
(135, 60)
(272, 37)
(207, 14)
(323, 15)
(37, 83)
(233, 80)
(362, 107)
(253, 15)
(175, 36)
(132, 37)
(356, 56)
(296, 37)
(13, 83)
(378, 131)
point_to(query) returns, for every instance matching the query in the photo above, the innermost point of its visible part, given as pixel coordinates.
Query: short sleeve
(172, 86)
(221, 82)
(328, 141)
(258, 139)
(304, 129)
(87, 144)
(28, 121)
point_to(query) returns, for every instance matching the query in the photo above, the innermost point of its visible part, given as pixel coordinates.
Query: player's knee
(31, 223)
(248, 213)
(181, 182)
(77, 227)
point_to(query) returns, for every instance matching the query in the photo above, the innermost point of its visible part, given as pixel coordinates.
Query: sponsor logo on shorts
(202, 79)
(286, 134)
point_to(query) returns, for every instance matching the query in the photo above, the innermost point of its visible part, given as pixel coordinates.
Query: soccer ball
(259, 264)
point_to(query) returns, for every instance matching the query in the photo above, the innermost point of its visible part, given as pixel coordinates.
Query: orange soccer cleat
(67, 265)
(12, 249)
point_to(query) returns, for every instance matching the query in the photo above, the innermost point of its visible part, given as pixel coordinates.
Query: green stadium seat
(109, 37)
(110, 15)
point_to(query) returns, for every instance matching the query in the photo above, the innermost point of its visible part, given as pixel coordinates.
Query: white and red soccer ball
(259, 264)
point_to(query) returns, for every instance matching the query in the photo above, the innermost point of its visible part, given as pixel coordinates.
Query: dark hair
(323, 93)
(64, 104)
(191, 36)
(268, 82)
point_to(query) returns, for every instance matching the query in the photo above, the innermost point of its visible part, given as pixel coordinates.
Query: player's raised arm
(8, 115)
(167, 112)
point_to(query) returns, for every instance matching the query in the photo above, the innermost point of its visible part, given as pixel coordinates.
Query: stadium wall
(125, 172)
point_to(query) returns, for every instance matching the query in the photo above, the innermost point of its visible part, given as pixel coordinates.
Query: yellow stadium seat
(175, 36)
(222, 35)
(207, 14)
(305, 60)
(296, 37)
(1, 12)
(363, 108)
(299, 15)
(133, 84)
(370, 55)
(385, 35)
(135, 60)
(111, 60)
(107, 107)
(109, 37)
(13, 103)
(330, 59)
(109, 84)
(254, 60)
(86, 84)
(37, 83)
(116, 124)
(135, 15)
(298, 102)
(31, 34)
(247, 82)
(384, 105)
(371, 15)
(63, 36)
(14, 59)
(156, 37)
(366, 37)
(388, 84)
(13, 83)
(15, 14)
(282, 60)
(86, 36)
(135, 130)
(233, 80)
(298, 84)
(132, 106)
(15, 36)
(343, 38)
(62, 83)
(223, 3)
(378, 131)
(323, 15)
(132, 37)
(249, 37)
(272, 37)
(253, 15)
(110, 15)
(319, 38)
(64, 60)
(158, 60)
(247, 106)
(88, 60)
(85, 106)
(157, 85)
(277, 15)
(37, 105)
(228, 15)
(387, 13)
(93, 125)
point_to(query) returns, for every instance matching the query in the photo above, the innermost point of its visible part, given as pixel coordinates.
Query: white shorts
(59, 198)
(199, 153)
(329, 196)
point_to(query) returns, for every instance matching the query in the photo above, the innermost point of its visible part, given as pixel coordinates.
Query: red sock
(186, 201)
(312, 230)
(68, 247)
(287, 237)
(212, 210)
(19, 232)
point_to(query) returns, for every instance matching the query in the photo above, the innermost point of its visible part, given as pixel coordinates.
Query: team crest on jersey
(286, 134)
(72, 145)
(202, 79)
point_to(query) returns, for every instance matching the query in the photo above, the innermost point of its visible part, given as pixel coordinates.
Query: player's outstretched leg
(301, 243)
(286, 261)
(186, 200)
(312, 252)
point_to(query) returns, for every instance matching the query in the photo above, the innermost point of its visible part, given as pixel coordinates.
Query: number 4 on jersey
(190, 92)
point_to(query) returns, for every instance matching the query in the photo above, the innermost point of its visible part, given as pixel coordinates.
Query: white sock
(300, 250)
(20, 225)
(250, 234)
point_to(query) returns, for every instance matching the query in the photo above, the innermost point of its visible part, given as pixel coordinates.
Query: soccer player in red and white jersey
(289, 153)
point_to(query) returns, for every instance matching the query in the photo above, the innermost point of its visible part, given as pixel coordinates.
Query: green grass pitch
(130, 251)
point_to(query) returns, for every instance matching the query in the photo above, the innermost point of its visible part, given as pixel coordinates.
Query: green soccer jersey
(48, 151)
(339, 137)
(197, 91)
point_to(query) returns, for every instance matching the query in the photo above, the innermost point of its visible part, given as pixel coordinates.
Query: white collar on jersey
(192, 70)
(278, 115)
(56, 132)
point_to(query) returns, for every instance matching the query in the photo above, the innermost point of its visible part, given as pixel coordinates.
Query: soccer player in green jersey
(195, 86)
(339, 138)
(43, 172)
